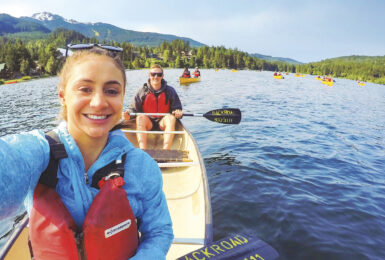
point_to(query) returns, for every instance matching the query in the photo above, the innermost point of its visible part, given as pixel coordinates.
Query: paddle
(235, 247)
(222, 115)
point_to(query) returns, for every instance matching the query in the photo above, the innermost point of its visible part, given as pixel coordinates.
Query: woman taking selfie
(107, 193)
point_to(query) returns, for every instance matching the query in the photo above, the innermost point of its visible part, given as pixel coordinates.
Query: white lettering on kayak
(117, 228)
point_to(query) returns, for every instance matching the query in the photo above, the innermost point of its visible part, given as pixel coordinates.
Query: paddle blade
(235, 247)
(224, 115)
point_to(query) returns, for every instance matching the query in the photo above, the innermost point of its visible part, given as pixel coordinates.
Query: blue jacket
(23, 157)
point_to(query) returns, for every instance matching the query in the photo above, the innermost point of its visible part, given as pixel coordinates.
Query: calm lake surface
(304, 170)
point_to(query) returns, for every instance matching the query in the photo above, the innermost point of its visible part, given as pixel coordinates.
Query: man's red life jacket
(109, 230)
(156, 103)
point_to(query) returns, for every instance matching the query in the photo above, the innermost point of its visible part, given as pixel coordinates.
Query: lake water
(304, 170)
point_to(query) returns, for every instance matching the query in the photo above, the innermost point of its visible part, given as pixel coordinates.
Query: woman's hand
(177, 113)
(126, 115)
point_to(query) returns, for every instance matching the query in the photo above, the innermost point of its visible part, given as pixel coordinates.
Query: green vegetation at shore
(363, 68)
(40, 57)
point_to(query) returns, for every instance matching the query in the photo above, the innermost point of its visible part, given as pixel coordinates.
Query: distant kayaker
(197, 73)
(186, 73)
(91, 91)
(155, 97)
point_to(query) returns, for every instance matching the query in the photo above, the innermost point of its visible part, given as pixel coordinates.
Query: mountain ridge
(100, 31)
(46, 22)
(271, 58)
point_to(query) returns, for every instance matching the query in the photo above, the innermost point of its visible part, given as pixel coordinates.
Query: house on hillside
(153, 55)
(187, 55)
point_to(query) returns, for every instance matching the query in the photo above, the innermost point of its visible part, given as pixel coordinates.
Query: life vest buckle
(115, 177)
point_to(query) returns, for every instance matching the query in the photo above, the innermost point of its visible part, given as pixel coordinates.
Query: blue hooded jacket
(23, 157)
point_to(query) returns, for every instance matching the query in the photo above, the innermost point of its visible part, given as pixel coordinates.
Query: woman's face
(93, 97)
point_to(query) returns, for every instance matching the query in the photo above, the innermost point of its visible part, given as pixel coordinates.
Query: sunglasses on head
(84, 46)
(159, 74)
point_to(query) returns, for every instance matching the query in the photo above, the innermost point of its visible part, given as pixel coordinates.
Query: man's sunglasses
(159, 74)
(83, 46)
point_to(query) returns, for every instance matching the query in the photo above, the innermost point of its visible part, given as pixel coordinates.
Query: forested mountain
(40, 56)
(9, 24)
(270, 58)
(47, 22)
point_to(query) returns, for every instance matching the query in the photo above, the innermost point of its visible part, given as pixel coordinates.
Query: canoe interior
(187, 193)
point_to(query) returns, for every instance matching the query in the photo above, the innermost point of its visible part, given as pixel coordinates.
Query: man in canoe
(98, 190)
(197, 73)
(155, 97)
(186, 73)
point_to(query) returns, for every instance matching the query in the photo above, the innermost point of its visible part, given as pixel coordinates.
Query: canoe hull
(189, 80)
(327, 83)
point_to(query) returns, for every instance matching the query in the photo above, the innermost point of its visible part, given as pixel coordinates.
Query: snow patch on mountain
(44, 16)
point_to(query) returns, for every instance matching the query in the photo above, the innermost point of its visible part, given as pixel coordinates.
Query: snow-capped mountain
(101, 31)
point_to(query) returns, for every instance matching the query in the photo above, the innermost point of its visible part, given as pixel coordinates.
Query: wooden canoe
(189, 80)
(184, 184)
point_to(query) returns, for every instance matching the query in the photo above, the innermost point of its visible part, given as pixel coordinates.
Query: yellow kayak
(278, 77)
(233, 70)
(299, 75)
(188, 80)
(360, 83)
(327, 82)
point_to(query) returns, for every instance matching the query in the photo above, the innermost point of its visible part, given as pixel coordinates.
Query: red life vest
(156, 103)
(197, 73)
(109, 230)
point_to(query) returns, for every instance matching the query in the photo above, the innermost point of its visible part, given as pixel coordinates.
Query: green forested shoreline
(39, 57)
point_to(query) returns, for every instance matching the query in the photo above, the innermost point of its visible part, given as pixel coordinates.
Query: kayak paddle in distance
(230, 116)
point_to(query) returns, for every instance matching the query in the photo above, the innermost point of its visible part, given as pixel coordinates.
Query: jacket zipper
(86, 177)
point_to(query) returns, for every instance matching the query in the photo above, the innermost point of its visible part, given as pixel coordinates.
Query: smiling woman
(93, 166)
(92, 100)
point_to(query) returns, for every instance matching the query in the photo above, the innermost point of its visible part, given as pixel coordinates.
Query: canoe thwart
(168, 155)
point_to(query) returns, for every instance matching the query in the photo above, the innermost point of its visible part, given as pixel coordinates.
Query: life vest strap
(57, 152)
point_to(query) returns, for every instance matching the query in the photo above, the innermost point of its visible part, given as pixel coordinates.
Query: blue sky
(303, 30)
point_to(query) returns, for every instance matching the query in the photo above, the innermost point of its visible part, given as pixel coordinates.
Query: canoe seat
(165, 156)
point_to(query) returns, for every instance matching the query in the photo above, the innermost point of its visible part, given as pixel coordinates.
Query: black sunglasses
(159, 74)
(83, 46)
